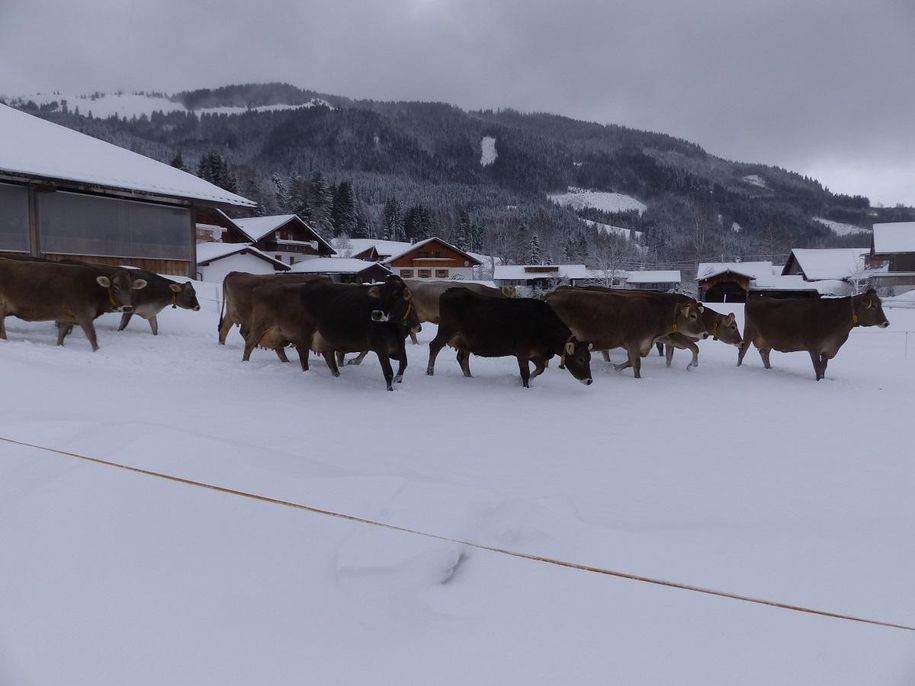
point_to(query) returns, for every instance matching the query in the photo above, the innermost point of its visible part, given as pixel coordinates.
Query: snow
(830, 263)
(128, 105)
(796, 282)
(893, 237)
(214, 250)
(332, 265)
(488, 152)
(630, 234)
(422, 243)
(37, 147)
(256, 228)
(112, 577)
(753, 270)
(527, 272)
(579, 198)
(839, 228)
(653, 276)
(755, 180)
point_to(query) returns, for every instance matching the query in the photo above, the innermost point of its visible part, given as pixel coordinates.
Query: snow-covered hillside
(111, 577)
(631, 234)
(578, 198)
(129, 105)
(488, 152)
(841, 229)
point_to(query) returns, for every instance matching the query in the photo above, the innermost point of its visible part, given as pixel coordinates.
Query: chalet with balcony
(432, 258)
(892, 255)
(284, 237)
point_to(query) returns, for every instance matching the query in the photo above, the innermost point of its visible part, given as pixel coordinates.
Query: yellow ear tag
(676, 328)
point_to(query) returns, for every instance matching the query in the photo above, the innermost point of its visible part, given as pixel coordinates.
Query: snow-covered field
(764, 483)
(578, 198)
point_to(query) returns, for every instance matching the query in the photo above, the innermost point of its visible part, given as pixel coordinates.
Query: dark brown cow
(67, 294)
(525, 328)
(632, 321)
(426, 296)
(332, 317)
(236, 298)
(720, 327)
(819, 326)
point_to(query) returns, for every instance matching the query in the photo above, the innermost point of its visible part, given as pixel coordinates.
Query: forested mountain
(479, 178)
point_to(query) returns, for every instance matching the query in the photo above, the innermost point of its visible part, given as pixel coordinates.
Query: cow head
(120, 289)
(576, 357)
(725, 329)
(509, 291)
(392, 301)
(184, 296)
(868, 310)
(688, 320)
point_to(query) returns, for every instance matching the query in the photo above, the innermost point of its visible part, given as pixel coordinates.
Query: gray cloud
(823, 87)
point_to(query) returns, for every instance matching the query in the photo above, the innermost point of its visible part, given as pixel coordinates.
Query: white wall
(217, 271)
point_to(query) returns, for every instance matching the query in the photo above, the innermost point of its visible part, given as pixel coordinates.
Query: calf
(67, 294)
(159, 293)
(720, 327)
(630, 321)
(819, 326)
(525, 328)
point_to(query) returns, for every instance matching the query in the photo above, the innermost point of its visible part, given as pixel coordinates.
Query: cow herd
(313, 314)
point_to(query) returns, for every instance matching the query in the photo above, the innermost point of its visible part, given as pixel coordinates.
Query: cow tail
(222, 306)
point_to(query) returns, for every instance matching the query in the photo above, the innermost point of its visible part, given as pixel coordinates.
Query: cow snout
(587, 382)
(417, 328)
(379, 316)
(704, 336)
(125, 308)
(196, 308)
(884, 324)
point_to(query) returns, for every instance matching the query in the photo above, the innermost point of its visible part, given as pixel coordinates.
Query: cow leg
(694, 349)
(386, 369)
(280, 353)
(154, 325)
(401, 359)
(413, 338)
(660, 347)
(742, 349)
(125, 320)
(463, 358)
(817, 364)
(63, 330)
(668, 353)
(539, 366)
(606, 355)
(764, 354)
(435, 347)
(303, 351)
(224, 326)
(824, 360)
(341, 358)
(524, 367)
(358, 359)
(634, 361)
(89, 329)
(3, 326)
(331, 362)
(251, 341)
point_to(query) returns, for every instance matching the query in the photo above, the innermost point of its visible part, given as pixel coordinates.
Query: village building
(653, 279)
(892, 255)
(216, 259)
(819, 264)
(729, 281)
(544, 276)
(432, 258)
(285, 237)
(343, 269)
(64, 194)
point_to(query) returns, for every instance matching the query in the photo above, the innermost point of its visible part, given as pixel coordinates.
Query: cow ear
(570, 347)
(375, 292)
(103, 281)
(701, 309)
(590, 347)
(138, 284)
(407, 293)
(174, 287)
(732, 317)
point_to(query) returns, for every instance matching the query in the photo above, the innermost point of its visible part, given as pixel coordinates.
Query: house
(817, 264)
(212, 224)
(65, 194)
(215, 260)
(653, 279)
(432, 258)
(892, 255)
(795, 286)
(286, 237)
(544, 276)
(729, 281)
(343, 269)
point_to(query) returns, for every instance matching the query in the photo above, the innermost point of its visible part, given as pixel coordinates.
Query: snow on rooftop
(35, 147)
(258, 227)
(530, 272)
(488, 152)
(894, 237)
(830, 263)
(579, 198)
(207, 251)
(749, 269)
(653, 276)
(333, 265)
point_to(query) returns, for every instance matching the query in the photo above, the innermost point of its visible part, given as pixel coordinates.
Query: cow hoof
(390, 388)
(690, 367)
(398, 379)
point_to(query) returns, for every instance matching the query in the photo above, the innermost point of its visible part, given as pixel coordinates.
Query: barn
(65, 194)
(892, 255)
(343, 269)
(729, 281)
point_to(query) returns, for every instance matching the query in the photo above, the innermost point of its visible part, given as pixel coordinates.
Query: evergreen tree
(392, 221)
(178, 162)
(343, 211)
(534, 252)
(282, 193)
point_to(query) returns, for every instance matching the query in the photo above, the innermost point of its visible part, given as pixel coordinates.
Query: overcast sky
(825, 87)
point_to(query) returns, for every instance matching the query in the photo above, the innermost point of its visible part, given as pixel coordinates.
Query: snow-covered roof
(354, 246)
(256, 228)
(35, 147)
(830, 263)
(208, 251)
(653, 276)
(416, 246)
(531, 272)
(894, 237)
(334, 265)
(748, 269)
(796, 282)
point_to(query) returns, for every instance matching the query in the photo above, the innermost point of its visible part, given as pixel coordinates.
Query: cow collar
(854, 315)
(675, 328)
(112, 300)
(174, 300)
(715, 329)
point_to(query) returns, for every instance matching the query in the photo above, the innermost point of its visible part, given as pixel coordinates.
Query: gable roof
(893, 237)
(653, 276)
(211, 251)
(750, 270)
(828, 263)
(33, 147)
(335, 265)
(435, 239)
(257, 228)
(531, 272)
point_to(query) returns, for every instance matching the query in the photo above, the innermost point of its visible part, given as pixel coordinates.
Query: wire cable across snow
(470, 544)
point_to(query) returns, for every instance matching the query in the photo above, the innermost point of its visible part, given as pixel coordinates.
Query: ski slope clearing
(764, 483)
(840, 229)
(579, 198)
(488, 152)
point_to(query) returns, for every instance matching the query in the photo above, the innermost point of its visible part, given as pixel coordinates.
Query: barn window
(424, 273)
(441, 273)
(406, 273)
(14, 218)
(76, 224)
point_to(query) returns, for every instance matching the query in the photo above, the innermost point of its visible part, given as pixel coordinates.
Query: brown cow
(720, 327)
(819, 326)
(67, 294)
(236, 299)
(631, 321)
(426, 296)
